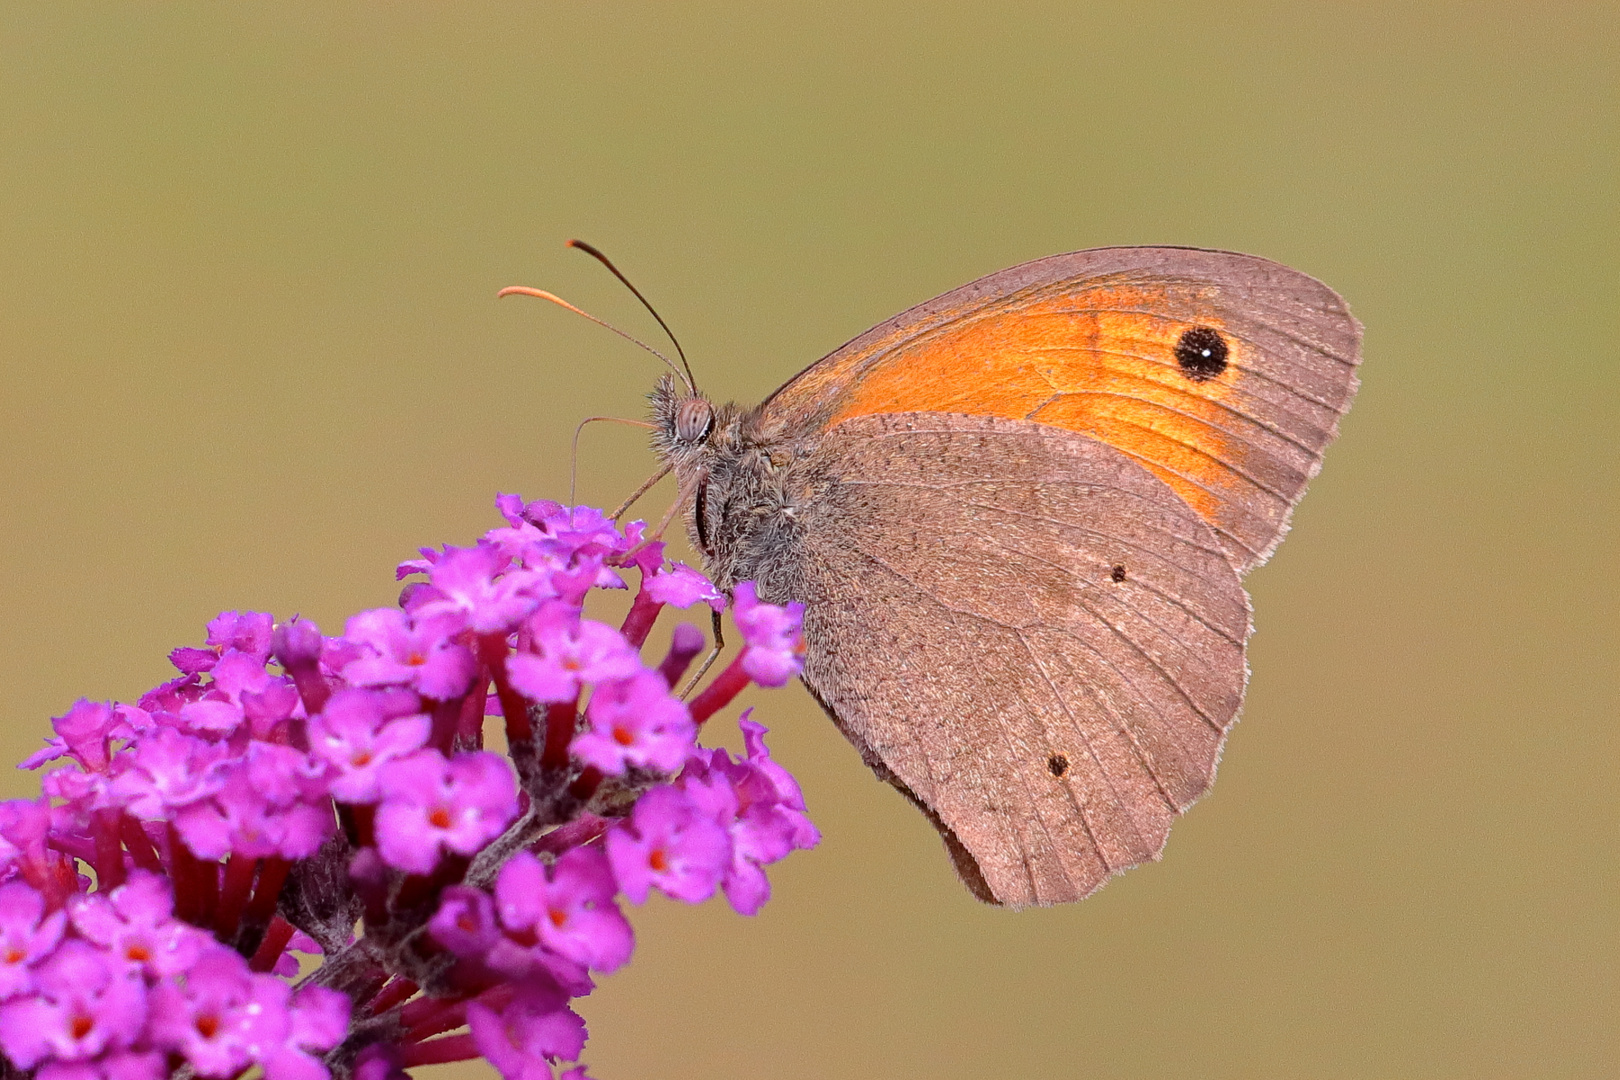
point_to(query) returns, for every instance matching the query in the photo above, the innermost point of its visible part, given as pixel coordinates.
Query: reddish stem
(369, 878)
(585, 785)
(718, 694)
(514, 708)
(363, 817)
(397, 992)
(418, 889)
(272, 876)
(470, 730)
(274, 943)
(296, 645)
(311, 684)
(196, 883)
(207, 874)
(233, 897)
(639, 622)
(447, 1016)
(446, 718)
(110, 868)
(561, 719)
(54, 876)
(421, 1009)
(582, 830)
(140, 845)
(684, 645)
(439, 1051)
(76, 848)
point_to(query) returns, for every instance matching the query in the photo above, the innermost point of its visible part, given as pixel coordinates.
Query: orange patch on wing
(1101, 364)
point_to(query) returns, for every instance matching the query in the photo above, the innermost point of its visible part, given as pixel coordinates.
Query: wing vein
(1121, 726)
(1001, 726)
(1140, 650)
(1236, 435)
(1177, 386)
(1281, 331)
(1201, 452)
(933, 486)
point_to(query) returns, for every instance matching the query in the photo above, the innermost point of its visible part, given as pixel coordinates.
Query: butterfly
(1018, 517)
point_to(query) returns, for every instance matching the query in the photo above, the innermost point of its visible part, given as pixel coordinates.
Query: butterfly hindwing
(1025, 631)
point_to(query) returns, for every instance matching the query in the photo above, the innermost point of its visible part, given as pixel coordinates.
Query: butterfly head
(691, 434)
(727, 468)
(684, 420)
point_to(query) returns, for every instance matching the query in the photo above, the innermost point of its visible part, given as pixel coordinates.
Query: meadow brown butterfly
(1018, 516)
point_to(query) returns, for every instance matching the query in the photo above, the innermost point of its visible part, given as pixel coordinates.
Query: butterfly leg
(640, 491)
(657, 534)
(708, 661)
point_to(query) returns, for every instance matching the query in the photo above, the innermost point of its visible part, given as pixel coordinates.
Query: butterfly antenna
(691, 383)
(524, 290)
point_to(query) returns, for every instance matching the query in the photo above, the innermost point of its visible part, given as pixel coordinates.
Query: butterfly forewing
(1222, 374)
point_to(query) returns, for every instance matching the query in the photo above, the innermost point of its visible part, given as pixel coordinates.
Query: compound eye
(693, 420)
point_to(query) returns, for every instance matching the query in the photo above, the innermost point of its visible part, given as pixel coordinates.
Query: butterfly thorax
(744, 487)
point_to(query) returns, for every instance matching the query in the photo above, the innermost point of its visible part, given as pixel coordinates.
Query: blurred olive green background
(252, 357)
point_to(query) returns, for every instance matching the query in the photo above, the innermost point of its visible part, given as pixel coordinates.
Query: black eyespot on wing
(1057, 765)
(1117, 573)
(1201, 352)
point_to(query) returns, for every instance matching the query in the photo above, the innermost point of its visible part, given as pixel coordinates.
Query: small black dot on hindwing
(1057, 764)
(1201, 352)
(1117, 573)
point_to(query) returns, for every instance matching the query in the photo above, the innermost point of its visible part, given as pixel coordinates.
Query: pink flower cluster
(114, 986)
(333, 795)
